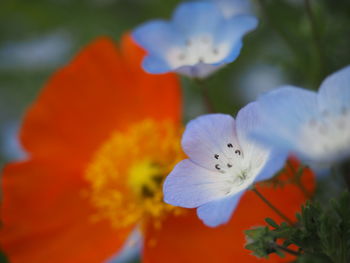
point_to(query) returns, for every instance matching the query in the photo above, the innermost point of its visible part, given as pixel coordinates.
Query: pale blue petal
(248, 119)
(190, 185)
(195, 18)
(233, 30)
(234, 53)
(232, 8)
(208, 135)
(283, 112)
(220, 211)
(334, 93)
(247, 122)
(201, 70)
(157, 37)
(276, 161)
(155, 65)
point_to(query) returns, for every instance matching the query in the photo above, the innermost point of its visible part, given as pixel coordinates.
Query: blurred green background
(298, 42)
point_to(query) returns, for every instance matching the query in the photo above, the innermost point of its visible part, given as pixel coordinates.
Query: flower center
(198, 49)
(127, 172)
(328, 135)
(231, 162)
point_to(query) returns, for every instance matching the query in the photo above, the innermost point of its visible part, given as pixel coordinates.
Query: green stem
(297, 179)
(283, 35)
(343, 170)
(315, 35)
(203, 89)
(267, 202)
(287, 250)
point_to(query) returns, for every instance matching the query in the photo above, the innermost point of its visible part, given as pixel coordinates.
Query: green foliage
(322, 234)
(3, 258)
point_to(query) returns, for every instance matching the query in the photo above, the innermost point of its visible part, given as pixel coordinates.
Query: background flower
(315, 126)
(196, 42)
(232, 8)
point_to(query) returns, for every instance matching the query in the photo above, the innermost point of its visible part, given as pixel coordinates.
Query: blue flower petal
(334, 93)
(155, 65)
(232, 31)
(275, 163)
(190, 185)
(234, 53)
(195, 18)
(283, 112)
(207, 136)
(249, 120)
(237, 26)
(219, 211)
(158, 36)
(200, 70)
(232, 8)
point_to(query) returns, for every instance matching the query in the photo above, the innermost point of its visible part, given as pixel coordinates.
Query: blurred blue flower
(256, 80)
(10, 147)
(231, 8)
(223, 162)
(37, 53)
(314, 126)
(196, 42)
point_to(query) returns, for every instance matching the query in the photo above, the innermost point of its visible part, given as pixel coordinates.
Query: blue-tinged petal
(155, 65)
(195, 18)
(283, 112)
(206, 139)
(334, 93)
(266, 162)
(232, 30)
(219, 211)
(235, 50)
(200, 70)
(275, 162)
(158, 37)
(232, 8)
(229, 36)
(190, 185)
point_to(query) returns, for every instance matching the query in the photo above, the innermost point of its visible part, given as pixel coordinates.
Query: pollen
(127, 172)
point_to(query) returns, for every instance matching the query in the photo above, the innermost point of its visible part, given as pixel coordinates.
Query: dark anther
(229, 165)
(215, 51)
(146, 192)
(217, 167)
(238, 152)
(216, 156)
(158, 178)
(230, 145)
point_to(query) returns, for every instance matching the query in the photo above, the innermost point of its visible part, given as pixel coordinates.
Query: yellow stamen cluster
(127, 172)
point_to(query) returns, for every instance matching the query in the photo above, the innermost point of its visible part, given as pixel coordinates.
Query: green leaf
(271, 222)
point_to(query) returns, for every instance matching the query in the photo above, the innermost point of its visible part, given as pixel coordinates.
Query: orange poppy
(100, 138)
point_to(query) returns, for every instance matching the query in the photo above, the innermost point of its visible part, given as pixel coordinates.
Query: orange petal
(163, 90)
(185, 239)
(47, 218)
(99, 91)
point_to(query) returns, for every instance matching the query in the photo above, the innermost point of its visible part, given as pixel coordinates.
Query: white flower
(222, 164)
